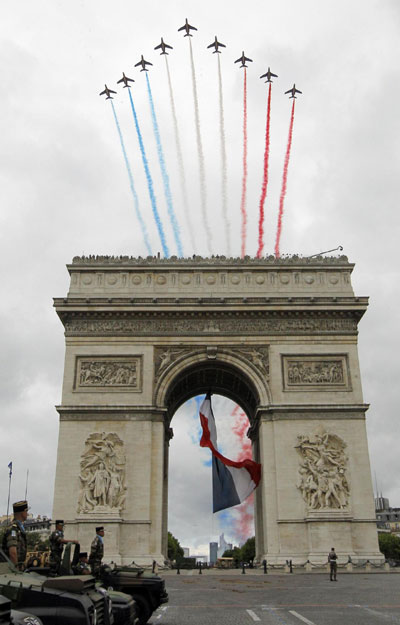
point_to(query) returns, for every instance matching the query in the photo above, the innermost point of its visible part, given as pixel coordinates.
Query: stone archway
(279, 337)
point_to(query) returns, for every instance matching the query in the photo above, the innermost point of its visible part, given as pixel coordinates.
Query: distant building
(387, 518)
(213, 552)
(223, 546)
(186, 552)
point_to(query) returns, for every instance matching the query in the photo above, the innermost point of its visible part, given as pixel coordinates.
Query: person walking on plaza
(57, 542)
(332, 559)
(14, 542)
(97, 551)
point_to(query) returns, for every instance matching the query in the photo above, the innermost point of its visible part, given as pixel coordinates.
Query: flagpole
(9, 488)
(26, 485)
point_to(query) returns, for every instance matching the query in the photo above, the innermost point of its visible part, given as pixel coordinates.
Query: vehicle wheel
(143, 608)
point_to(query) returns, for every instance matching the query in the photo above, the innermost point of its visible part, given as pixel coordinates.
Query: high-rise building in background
(213, 552)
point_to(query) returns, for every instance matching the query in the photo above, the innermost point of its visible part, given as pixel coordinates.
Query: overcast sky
(65, 189)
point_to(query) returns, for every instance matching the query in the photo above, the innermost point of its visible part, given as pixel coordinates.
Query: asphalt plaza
(279, 599)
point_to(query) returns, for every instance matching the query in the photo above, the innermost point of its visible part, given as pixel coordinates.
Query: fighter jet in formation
(143, 63)
(268, 75)
(216, 44)
(188, 28)
(107, 92)
(162, 46)
(125, 80)
(293, 91)
(242, 59)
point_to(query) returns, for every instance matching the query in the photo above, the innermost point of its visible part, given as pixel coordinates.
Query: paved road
(357, 599)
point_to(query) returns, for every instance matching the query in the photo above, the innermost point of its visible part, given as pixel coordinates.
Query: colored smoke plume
(284, 184)
(131, 183)
(265, 179)
(243, 523)
(244, 178)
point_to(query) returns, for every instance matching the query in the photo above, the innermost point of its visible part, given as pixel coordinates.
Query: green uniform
(96, 554)
(15, 536)
(56, 549)
(82, 568)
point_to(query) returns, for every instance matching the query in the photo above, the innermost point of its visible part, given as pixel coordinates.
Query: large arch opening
(188, 471)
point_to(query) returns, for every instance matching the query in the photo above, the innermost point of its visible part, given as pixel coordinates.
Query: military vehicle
(13, 617)
(147, 589)
(63, 600)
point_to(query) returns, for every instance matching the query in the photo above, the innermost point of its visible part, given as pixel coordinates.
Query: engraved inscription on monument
(323, 465)
(102, 475)
(313, 373)
(109, 373)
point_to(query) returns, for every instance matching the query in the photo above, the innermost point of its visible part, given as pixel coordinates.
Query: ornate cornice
(209, 323)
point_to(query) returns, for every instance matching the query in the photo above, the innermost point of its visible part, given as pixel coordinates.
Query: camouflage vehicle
(12, 617)
(63, 600)
(147, 589)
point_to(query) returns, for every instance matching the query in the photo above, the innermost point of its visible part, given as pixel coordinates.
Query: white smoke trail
(203, 191)
(223, 163)
(180, 161)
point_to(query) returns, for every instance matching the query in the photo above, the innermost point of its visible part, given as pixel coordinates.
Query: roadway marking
(384, 617)
(253, 615)
(301, 618)
(162, 612)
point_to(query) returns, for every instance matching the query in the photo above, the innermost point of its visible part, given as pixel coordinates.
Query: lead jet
(268, 75)
(243, 60)
(293, 91)
(163, 45)
(216, 44)
(143, 63)
(108, 92)
(188, 28)
(125, 80)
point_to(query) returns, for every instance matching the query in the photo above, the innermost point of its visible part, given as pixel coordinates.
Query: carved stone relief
(315, 372)
(247, 325)
(102, 475)
(323, 482)
(111, 373)
(256, 355)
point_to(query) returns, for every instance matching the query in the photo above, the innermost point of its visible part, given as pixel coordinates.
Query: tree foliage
(246, 553)
(389, 545)
(175, 551)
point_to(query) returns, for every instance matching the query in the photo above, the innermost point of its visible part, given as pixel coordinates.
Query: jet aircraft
(107, 92)
(216, 44)
(163, 45)
(143, 63)
(268, 75)
(293, 91)
(125, 80)
(243, 60)
(187, 27)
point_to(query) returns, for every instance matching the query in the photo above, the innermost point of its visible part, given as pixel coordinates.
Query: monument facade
(277, 336)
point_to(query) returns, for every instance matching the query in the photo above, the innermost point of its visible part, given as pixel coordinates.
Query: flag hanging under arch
(233, 481)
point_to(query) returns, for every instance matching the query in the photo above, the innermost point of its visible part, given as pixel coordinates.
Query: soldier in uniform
(332, 559)
(57, 542)
(83, 568)
(14, 539)
(97, 551)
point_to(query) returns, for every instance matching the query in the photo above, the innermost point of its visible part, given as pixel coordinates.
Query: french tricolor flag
(233, 481)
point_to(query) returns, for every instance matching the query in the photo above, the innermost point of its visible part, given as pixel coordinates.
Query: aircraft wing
(102, 92)
(297, 91)
(111, 91)
(148, 63)
(159, 46)
(212, 45)
(246, 59)
(290, 91)
(238, 60)
(137, 64)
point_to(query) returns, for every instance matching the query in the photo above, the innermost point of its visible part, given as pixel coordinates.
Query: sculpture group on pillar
(102, 474)
(323, 481)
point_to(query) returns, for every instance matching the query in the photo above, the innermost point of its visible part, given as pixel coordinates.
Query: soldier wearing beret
(14, 539)
(57, 542)
(97, 551)
(83, 568)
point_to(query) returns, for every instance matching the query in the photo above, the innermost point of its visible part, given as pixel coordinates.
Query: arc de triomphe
(279, 337)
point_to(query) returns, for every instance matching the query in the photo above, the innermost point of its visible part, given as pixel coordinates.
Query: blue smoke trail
(164, 173)
(131, 184)
(149, 181)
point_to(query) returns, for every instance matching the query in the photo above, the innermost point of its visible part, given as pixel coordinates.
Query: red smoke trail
(265, 180)
(244, 179)
(244, 523)
(284, 184)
